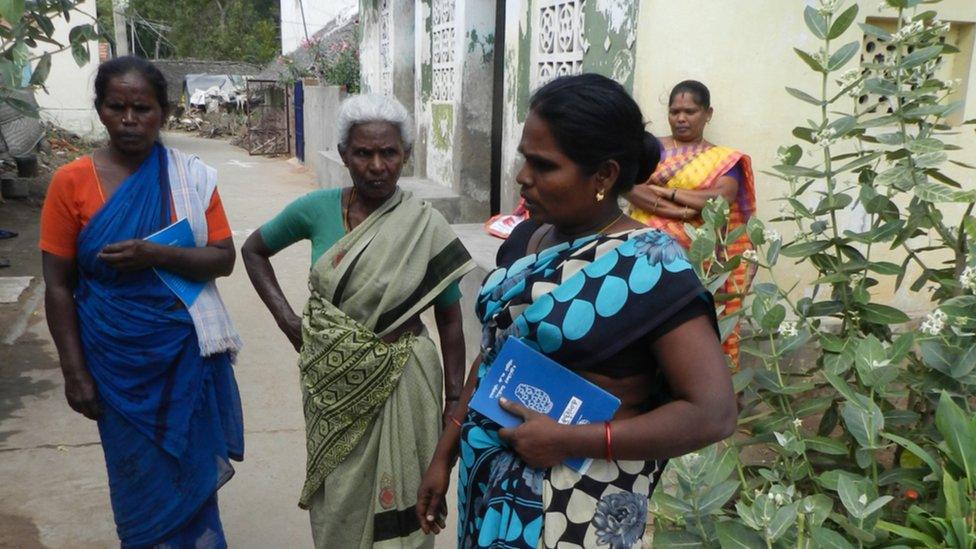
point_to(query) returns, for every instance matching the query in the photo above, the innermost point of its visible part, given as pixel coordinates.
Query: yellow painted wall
(743, 51)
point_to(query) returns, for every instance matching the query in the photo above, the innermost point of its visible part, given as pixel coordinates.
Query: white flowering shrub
(856, 423)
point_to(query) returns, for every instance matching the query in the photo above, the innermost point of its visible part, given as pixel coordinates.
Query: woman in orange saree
(691, 172)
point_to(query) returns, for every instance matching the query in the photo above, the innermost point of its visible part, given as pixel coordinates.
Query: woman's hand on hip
(292, 328)
(130, 255)
(80, 391)
(539, 441)
(431, 507)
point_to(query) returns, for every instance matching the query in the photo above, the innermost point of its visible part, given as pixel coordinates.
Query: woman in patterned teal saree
(612, 300)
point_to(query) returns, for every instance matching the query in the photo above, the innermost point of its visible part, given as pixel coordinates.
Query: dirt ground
(23, 216)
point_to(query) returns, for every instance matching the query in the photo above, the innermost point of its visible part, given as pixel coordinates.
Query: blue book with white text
(523, 375)
(178, 234)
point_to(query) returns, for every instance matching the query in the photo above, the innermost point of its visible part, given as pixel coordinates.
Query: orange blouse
(75, 195)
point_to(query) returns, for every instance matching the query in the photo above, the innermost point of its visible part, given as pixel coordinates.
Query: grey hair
(373, 107)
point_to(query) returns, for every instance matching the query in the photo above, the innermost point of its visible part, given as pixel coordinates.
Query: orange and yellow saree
(699, 167)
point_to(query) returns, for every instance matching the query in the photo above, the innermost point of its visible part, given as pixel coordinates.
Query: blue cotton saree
(172, 418)
(580, 303)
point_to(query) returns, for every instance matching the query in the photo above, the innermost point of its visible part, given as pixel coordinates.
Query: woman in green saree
(371, 379)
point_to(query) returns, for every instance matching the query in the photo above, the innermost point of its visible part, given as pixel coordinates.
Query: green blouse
(317, 216)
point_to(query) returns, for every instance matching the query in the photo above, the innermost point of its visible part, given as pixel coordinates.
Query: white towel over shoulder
(192, 184)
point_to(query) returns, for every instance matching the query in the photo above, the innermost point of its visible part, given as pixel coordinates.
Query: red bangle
(608, 439)
(455, 421)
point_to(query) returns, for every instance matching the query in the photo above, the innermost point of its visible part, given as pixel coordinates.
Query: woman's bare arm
(449, 329)
(687, 203)
(257, 261)
(703, 410)
(205, 263)
(60, 278)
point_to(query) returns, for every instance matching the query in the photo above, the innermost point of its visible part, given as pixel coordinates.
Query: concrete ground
(53, 486)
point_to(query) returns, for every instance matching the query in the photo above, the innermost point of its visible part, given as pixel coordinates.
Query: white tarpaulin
(197, 88)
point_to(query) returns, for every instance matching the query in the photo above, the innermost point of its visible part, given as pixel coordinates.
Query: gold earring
(600, 195)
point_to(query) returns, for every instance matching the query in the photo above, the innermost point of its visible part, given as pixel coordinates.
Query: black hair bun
(649, 158)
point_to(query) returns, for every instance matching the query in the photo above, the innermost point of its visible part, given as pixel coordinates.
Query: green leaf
(828, 539)
(939, 193)
(782, 520)
(798, 171)
(908, 533)
(842, 387)
(916, 450)
(832, 202)
(920, 56)
(930, 159)
(863, 419)
(880, 86)
(676, 538)
(884, 233)
(965, 364)
(41, 70)
(826, 445)
(717, 496)
(816, 22)
(937, 356)
(882, 314)
(884, 268)
(80, 53)
(925, 145)
(810, 60)
(875, 31)
(876, 505)
(850, 495)
(805, 249)
(959, 433)
(859, 162)
(842, 22)
(803, 96)
(773, 317)
(44, 23)
(12, 10)
(735, 535)
(843, 55)
(808, 406)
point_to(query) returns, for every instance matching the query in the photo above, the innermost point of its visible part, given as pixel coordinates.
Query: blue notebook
(178, 234)
(522, 374)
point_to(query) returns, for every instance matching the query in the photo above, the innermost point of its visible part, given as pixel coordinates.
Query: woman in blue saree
(155, 372)
(612, 300)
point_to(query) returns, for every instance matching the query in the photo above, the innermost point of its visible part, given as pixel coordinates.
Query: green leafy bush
(27, 25)
(858, 427)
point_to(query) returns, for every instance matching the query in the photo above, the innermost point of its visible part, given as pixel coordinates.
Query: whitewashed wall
(69, 101)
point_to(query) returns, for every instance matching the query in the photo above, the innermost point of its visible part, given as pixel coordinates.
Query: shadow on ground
(29, 353)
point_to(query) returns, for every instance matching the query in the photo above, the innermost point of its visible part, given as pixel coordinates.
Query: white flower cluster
(856, 278)
(968, 279)
(875, 364)
(771, 235)
(778, 494)
(788, 328)
(751, 256)
(826, 137)
(797, 422)
(908, 31)
(934, 323)
(828, 7)
(941, 27)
